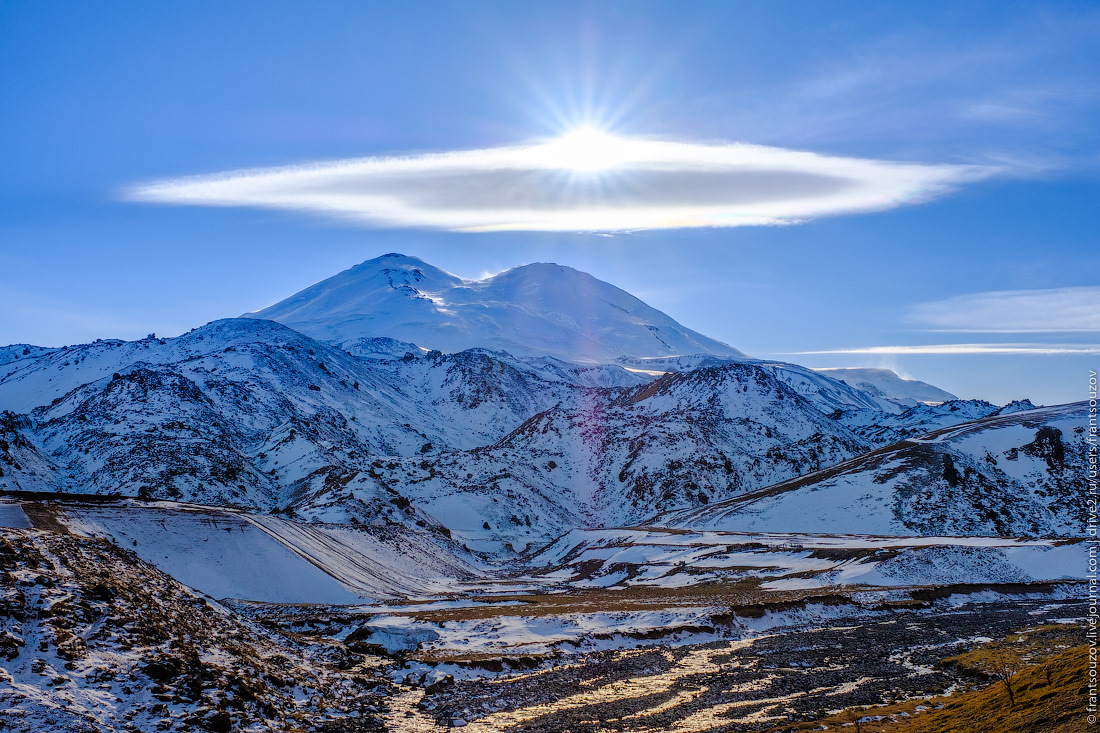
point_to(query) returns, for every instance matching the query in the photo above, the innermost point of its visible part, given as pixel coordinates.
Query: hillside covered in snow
(1015, 474)
(248, 412)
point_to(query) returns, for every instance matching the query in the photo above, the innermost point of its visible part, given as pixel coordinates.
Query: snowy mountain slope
(18, 352)
(610, 456)
(40, 378)
(197, 427)
(95, 639)
(1020, 474)
(249, 412)
(232, 554)
(885, 383)
(22, 458)
(150, 431)
(493, 392)
(399, 387)
(382, 307)
(827, 393)
(878, 429)
(1015, 406)
(213, 551)
(532, 310)
(380, 349)
(658, 365)
(583, 375)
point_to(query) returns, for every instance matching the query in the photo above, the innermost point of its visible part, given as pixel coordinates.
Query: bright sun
(586, 149)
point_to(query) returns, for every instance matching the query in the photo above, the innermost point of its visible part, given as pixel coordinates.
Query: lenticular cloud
(603, 184)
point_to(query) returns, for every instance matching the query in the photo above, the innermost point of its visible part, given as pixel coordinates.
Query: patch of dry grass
(1048, 692)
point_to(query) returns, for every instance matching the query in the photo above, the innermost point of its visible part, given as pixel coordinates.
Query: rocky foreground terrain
(743, 685)
(94, 639)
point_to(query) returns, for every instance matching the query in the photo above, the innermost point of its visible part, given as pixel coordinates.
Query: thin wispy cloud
(587, 181)
(1053, 310)
(968, 349)
(1026, 88)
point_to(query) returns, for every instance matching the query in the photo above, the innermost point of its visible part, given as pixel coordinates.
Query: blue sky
(999, 102)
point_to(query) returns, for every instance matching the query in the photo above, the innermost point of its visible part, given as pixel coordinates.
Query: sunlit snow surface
(12, 515)
(230, 554)
(539, 309)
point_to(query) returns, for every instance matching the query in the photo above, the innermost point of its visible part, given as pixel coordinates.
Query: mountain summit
(539, 309)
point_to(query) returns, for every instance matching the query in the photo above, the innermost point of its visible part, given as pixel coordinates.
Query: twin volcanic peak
(529, 311)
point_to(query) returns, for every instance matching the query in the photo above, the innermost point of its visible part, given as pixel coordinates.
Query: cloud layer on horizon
(609, 184)
(1015, 311)
(968, 349)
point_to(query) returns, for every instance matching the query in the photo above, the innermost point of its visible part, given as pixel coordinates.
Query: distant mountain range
(503, 412)
(887, 384)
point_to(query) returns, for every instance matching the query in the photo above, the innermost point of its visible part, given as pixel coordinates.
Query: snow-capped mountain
(534, 310)
(491, 448)
(886, 383)
(1017, 474)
